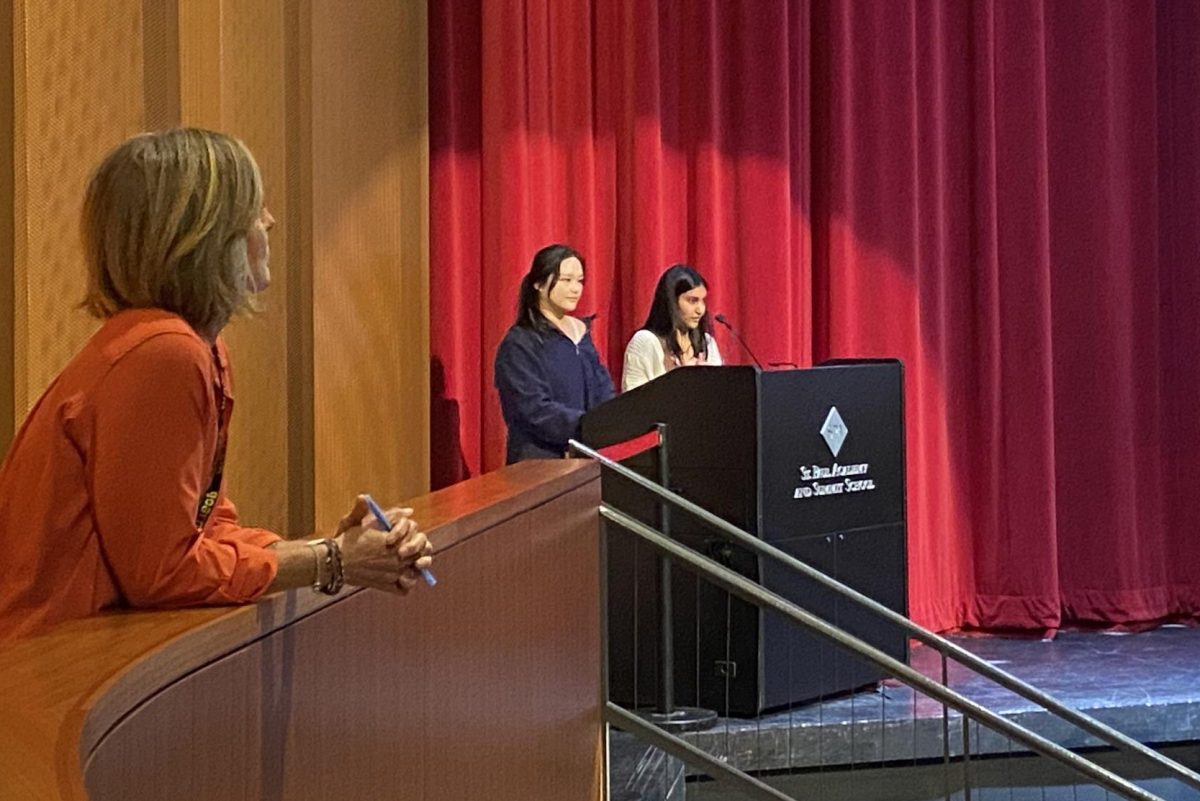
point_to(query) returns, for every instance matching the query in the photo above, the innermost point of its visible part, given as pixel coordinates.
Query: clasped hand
(384, 560)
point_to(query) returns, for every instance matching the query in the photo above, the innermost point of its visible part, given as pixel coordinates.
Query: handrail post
(666, 713)
(666, 624)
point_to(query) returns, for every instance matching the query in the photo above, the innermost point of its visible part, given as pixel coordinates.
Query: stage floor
(1145, 684)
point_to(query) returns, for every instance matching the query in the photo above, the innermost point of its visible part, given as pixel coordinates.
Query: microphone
(720, 318)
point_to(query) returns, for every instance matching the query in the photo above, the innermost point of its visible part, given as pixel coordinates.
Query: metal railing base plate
(682, 719)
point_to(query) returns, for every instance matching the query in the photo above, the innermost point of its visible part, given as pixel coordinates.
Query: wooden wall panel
(201, 68)
(160, 57)
(252, 106)
(6, 225)
(298, 66)
(232, 65)
(370, 309)
(77, 63)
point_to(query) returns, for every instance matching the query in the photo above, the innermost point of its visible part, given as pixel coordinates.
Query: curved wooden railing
(485, 687)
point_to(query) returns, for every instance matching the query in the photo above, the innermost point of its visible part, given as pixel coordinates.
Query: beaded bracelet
(312, 545)
(335, 579)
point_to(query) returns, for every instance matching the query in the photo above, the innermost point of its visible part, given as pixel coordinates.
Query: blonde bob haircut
(165, 221)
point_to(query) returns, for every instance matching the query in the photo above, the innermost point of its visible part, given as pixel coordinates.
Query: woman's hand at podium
(383, 560)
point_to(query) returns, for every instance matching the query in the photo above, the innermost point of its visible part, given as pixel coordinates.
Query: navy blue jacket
(546, 383)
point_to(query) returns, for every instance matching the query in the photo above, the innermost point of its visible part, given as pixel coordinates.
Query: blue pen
(383, 521)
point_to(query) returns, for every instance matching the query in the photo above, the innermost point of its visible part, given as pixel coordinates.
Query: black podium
(811, 461)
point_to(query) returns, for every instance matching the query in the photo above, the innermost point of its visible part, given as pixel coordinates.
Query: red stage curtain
(1005, 195)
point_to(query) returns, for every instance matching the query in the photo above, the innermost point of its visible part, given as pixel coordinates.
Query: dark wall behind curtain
(1006, 195)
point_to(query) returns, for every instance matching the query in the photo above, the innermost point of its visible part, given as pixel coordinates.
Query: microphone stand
(720, 318)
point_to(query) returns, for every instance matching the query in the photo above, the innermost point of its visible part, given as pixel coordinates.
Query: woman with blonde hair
(111, 493)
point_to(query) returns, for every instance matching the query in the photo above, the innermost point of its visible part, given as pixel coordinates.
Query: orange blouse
(100, 490)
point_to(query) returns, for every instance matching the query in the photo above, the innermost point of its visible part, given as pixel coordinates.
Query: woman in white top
(677, 332)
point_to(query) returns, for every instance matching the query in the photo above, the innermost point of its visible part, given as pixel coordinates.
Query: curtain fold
(1002, 194)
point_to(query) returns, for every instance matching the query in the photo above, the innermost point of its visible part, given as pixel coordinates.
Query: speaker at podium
(809, 460)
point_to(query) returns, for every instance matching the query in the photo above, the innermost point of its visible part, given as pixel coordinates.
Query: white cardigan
(646, 358)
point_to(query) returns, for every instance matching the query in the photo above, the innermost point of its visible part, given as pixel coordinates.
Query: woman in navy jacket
(548, 372)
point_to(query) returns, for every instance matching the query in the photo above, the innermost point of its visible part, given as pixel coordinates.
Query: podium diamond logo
(834, 431)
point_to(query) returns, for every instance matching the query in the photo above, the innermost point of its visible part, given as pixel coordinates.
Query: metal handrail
(940, 644)
(751, 592)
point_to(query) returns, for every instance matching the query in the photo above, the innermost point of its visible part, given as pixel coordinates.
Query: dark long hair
(664, 318)
(543, 270)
